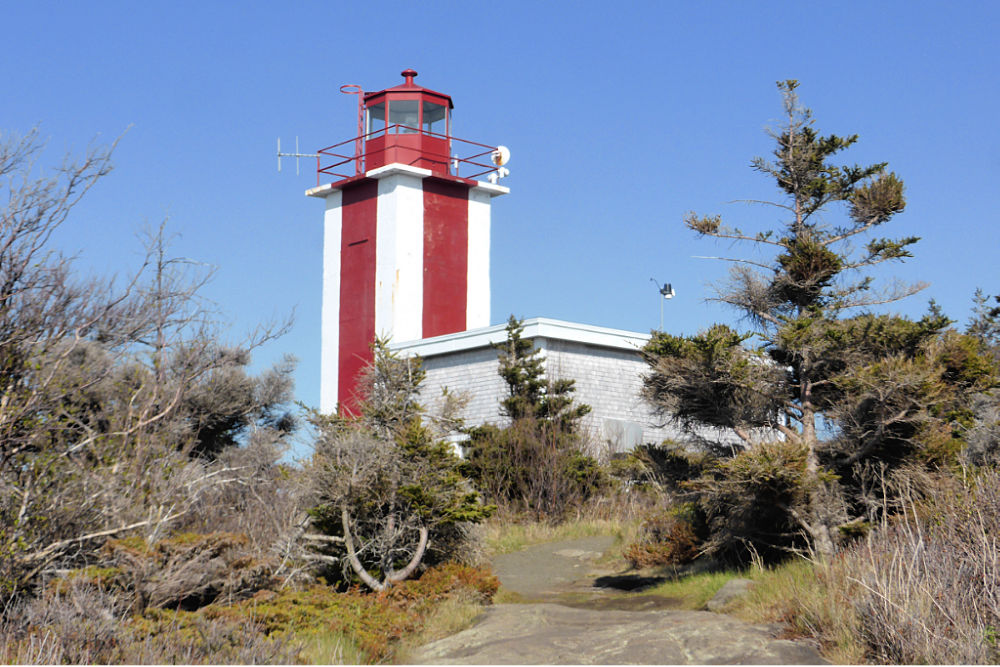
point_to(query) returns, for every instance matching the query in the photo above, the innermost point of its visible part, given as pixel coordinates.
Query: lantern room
(408, 124)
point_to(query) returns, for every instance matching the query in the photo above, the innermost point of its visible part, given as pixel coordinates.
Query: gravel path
(573, 612)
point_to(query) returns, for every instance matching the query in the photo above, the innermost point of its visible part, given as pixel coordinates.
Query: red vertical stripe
(446, 256)
(357, 288)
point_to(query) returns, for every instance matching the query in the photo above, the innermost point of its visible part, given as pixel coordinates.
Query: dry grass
(930, 585)
(331, 648)
(924, 588)
(448, 618)
(618, 514)
(811, 600)
(504, 536)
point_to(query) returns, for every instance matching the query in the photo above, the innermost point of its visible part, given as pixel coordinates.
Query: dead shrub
(189, 570)
(921, 588)
(255, 495)
(666, 538)
(931, 578)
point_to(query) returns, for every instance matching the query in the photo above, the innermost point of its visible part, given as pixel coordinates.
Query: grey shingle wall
(609, 380)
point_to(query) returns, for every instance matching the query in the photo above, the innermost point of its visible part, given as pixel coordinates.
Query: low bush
(668, 465)
(77, 623)
(533, 467)
(750, 500)
(666, 538)
(375, 623)
(80, 625)
(188, 570)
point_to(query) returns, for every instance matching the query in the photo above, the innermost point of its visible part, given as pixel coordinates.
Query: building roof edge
(536, 327)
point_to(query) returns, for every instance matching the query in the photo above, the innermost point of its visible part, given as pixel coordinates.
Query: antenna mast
(667, 292)
(295, 155)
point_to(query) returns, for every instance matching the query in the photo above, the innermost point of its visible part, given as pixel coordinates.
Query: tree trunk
(391, 576)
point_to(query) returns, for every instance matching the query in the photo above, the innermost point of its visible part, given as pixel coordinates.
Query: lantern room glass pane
(376, 117)
(404, 113)
(434, 118)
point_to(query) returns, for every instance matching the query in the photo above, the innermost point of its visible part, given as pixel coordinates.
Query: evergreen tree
(530, 394)
(841, 384)
(536, 463)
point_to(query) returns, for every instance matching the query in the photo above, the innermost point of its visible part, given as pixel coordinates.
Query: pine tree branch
(765, 316)
(735, 260)
(888, 298)
(736, 236)
(790, 433)
(762, 202)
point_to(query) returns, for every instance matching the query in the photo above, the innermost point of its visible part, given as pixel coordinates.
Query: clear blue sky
(620, 117)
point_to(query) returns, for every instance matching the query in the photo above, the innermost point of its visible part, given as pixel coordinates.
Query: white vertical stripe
(330, 335)
(399, 263)
(477, 309)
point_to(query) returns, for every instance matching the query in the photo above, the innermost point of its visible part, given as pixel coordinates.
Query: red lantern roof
(409, 87)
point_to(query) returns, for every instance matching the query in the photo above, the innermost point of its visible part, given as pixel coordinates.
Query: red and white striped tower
(406, 250)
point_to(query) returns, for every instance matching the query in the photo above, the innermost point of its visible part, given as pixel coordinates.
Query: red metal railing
(468, 166)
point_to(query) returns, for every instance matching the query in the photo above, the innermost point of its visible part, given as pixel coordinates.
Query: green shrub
(670, 465)
(533, 467)
(749, 501)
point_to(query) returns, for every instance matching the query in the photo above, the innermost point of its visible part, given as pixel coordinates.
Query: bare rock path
(570, 611)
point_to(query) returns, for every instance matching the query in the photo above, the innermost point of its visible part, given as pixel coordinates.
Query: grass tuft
(693, 591)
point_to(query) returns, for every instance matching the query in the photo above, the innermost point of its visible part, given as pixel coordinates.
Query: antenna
(667, 292)
(349, 89)
(295, 155)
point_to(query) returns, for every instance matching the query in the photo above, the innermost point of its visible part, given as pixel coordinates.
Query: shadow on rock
(628, 582)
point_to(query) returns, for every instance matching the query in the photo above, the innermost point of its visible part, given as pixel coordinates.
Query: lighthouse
(406, 231)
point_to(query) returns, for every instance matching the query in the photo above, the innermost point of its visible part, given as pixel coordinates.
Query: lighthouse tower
(406, 239)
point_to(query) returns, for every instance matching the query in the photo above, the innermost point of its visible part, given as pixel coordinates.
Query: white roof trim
(397, 168)
(537, 327)
(491, 189)
(400, 168)
(321, 190)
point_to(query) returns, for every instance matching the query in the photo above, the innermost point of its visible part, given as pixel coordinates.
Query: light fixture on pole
(667, 292)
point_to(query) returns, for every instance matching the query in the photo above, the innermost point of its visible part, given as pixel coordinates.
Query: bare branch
(760, 265)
